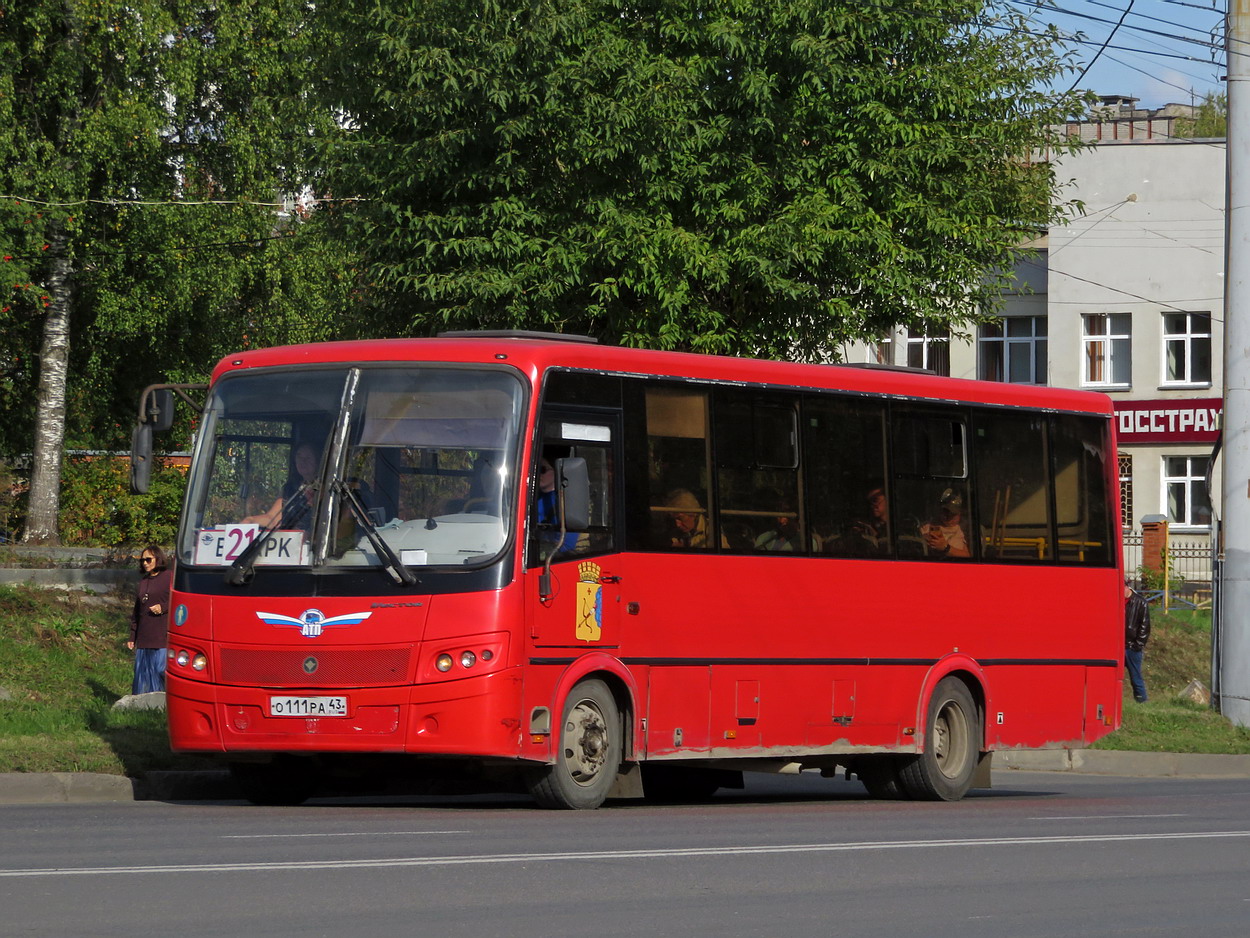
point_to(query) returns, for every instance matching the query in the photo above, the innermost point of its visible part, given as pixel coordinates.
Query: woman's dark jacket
(148, 630)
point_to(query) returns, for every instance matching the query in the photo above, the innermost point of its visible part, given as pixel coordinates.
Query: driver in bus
(547, 510)
(307, 464)
(944, 536)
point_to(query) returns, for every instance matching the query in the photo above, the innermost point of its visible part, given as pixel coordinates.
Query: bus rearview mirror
(574, 483)
(141, 458)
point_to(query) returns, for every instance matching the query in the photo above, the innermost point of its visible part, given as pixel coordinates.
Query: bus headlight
(182, 658)
(199, 662)
(467, 659)
(443, 662)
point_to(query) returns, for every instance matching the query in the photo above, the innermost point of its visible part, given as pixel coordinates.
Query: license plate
(308, 706)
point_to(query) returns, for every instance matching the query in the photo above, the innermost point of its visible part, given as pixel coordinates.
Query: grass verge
(63, 664)
(1179, 651)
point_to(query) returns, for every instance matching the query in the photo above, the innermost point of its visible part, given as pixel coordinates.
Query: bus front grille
(295, 668)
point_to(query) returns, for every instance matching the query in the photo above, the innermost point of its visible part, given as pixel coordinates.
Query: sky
(1158, 51)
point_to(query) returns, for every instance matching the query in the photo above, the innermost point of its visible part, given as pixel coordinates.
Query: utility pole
(1234, 676)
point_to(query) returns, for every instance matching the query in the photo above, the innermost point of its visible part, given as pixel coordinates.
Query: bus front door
(573, 593)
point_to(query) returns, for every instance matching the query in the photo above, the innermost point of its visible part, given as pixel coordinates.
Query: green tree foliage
(755, 176)
(143, 146)
(1210, 119)
(98, 509)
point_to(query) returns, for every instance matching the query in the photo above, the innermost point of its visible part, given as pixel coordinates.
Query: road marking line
(1103, 817)
(582, 856)
(345, 834)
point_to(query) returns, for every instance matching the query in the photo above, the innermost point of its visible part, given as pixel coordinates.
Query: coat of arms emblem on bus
(310, 622)
(589, 602)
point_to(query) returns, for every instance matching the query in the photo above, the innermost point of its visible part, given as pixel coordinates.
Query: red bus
(490, 560)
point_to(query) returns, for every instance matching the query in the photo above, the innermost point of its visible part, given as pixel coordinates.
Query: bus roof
(533, 355)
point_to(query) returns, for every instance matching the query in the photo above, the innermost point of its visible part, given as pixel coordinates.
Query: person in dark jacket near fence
(149, 620)
(1136, 634)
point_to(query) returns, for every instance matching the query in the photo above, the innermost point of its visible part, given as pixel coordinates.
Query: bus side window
(931, 507)
(1012, 487)
(845, 477)
(678, 461)
(1079, 455)
(757, 472)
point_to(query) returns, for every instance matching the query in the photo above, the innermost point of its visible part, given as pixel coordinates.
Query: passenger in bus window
(868, 535)
(547, 512)
(784, 534)
(945, 535)
(689, 520)
(303, 483)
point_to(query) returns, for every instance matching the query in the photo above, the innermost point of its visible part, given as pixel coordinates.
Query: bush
(98, 509)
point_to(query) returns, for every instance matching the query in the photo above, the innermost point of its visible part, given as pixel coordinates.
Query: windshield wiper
(293, 509)
(394, 566)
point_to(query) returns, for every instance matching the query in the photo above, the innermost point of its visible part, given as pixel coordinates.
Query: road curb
(217, 785)
(1131, 764)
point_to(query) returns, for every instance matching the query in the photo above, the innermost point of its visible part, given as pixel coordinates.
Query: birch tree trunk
(45, 477)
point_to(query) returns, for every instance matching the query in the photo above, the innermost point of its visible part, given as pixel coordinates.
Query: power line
(1103, 47)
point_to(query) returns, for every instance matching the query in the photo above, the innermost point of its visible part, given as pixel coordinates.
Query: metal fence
(1189, 560)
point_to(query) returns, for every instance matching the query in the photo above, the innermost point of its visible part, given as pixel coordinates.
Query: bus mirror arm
(394, 566)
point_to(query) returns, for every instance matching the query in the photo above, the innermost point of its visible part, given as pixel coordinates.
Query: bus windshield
(355, 467)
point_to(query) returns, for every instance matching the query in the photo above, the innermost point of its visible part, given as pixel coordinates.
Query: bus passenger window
(678, 468)
(757, 472)
(1012, 487)
(1079, 455)
(844, 472)
(932, 510)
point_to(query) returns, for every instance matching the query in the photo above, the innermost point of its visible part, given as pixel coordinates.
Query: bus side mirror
(159, 413)
(141, 458)
(574, 484)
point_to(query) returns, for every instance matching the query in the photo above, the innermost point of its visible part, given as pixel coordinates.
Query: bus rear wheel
(882, 776)
(952, 745)
(589, 757)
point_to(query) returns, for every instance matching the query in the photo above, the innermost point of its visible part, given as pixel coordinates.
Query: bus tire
(952, 746)
(280, 782)
(882, 776)
(589, 756)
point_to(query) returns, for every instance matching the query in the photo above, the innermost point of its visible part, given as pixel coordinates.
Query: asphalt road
(1041, 854)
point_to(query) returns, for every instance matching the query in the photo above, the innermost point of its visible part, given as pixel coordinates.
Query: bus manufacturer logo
(310, 665)
(311, 622)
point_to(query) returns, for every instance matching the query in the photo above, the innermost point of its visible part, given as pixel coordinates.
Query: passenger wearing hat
(945, 536)
(689, 519)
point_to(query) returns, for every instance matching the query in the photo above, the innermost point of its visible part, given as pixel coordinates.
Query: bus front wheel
(952, 745)
(589, 756)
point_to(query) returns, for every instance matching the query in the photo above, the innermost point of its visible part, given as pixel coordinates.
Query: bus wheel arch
(616, 676)
(589, 742)
(952, 743)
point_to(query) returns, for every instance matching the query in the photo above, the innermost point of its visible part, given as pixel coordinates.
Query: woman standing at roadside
(149, 621)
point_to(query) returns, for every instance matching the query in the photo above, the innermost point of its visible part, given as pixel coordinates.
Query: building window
(1013, 350)
(931, 350)
(1185, 491)
(881, 352)
(1187, 348)
(1108, 349)
(1126, 492)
